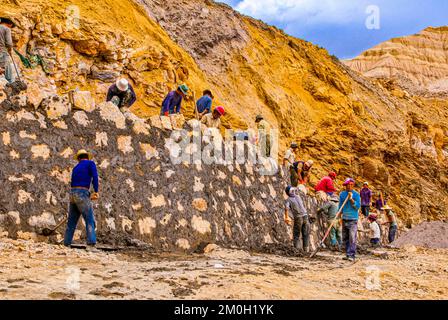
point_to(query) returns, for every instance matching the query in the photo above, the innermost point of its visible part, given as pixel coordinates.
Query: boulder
(83, 100)
(110, 112)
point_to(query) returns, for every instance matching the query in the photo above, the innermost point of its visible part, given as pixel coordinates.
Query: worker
(291, 155)
(121, 94)
(366, 199)
(327, 184)
(374, 229)
(301, 226)
(392, 222)
(350, 217)
(264, 135)
(303, 170)
(330, 210)
(84, 175)
(204, 104)
(6, 47)
(173, 101)
(213, 120)
(379, 203)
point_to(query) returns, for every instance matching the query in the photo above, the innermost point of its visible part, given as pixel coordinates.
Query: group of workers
(344, 208)
(342, 212)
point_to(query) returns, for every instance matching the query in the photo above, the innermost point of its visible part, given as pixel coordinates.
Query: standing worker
(350, 217)
(83, 176)
(264, 135)
(301, 226)
(173, 101)
(392, 222)
(366, 199)
(121, 94)
(204, 104)
(6, 47)
(291, 155)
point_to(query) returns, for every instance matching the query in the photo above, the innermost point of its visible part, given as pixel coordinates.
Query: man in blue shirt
(173, 101)
(204, 104)
(83, 176)
(350, 216)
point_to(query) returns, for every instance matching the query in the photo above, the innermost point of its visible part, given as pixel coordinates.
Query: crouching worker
(294, 207)
(83, 176)
(121, 94)
(330, 209)
(375, 236)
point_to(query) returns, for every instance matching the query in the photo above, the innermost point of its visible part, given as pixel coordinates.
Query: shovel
(48, 232)
(321, 244)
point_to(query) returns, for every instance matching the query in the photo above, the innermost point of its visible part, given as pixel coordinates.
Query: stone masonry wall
(144, 197)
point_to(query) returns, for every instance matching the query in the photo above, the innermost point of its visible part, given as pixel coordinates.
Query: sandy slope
(41, 271)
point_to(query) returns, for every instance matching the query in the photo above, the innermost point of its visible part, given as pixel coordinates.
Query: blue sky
(340, 25)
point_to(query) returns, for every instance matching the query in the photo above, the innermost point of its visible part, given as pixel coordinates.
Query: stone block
(83, 100)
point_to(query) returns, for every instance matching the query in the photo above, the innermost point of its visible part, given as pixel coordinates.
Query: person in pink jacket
(327, 184)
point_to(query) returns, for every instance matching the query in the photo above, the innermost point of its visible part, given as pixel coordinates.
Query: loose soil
(31, 270)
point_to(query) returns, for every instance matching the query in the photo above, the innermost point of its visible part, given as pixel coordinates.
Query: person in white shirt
(290, 155)
(375, 231)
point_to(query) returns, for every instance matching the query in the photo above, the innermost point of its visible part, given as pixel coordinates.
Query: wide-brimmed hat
(365, 183)
(294, 145)
(183, 88)
(82, 152)
(386, 207)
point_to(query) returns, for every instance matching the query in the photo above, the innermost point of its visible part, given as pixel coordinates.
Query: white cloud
(304, 12)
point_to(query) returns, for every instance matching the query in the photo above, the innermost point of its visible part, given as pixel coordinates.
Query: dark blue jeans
(392, 233)
(80, 205)
(350, 236)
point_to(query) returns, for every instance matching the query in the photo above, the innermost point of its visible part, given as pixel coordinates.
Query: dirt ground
(31, 270)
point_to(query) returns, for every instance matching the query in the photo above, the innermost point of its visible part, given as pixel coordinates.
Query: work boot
(346, 258)
(351, 259)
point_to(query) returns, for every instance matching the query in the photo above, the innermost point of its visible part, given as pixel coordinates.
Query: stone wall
(144, 196)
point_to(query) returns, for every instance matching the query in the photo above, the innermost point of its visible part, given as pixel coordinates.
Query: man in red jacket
(327, 184)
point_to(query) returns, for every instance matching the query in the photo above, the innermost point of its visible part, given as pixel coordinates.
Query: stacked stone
(144, 196)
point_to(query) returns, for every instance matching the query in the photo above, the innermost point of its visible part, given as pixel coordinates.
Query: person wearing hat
(173, 101)
(291, 155)
(327, 184)
(375, 231)
(213, 120)
(330, 209)
(204, 104)
(366, 199)
(300, 172)
(6, 47)
(392, 222)
(301, 226)
(121, 94)
(350, 217)
(264, 135)
(84, 175)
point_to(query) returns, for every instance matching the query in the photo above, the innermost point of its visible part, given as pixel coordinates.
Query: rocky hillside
(369, 130)
(418, 62)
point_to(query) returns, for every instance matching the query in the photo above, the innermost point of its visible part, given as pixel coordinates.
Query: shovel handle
(334, 221)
